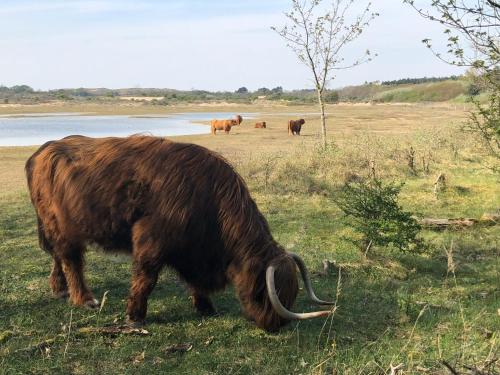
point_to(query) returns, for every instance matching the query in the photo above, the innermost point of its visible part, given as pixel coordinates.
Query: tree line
(404, 81)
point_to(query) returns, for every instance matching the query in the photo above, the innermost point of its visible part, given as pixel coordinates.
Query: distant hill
(431, 91)
(406, 90)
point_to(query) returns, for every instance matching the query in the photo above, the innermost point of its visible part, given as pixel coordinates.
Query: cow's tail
(29, 169)
(43, 241)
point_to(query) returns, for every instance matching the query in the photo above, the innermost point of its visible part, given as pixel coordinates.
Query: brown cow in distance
(260, 125)
(294, 126)
(225, 124)
(167, 204)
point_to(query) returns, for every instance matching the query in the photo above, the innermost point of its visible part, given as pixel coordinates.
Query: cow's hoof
(92, 304)
(134, 323)
(207, 311)
(63, 294)
(204, 307)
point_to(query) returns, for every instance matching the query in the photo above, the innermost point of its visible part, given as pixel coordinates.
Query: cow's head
(274, 295)
(302, 121)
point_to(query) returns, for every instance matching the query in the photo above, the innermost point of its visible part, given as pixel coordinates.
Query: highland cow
(167, 204)
(225, 125)
(260, 125)
(294, 126)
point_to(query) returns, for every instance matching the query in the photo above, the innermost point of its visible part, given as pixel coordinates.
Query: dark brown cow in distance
(294, 126)
(167, 204)
(225, 124)
(260, 125)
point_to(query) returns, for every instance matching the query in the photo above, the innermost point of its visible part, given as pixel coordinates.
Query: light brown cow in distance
(167, 204)
(260, 125)
(225, 124)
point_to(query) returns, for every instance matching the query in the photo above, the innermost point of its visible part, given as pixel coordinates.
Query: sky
(217, 45)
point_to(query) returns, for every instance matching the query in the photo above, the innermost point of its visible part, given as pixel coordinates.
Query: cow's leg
(57, 280)
(71, 258)
(148, 261)
(202, 303)
(143, 281)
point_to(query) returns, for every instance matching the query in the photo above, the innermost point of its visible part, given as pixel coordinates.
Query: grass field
(422, 310)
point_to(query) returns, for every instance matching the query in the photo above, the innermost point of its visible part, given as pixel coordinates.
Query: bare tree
(318, 35)
(476, 23)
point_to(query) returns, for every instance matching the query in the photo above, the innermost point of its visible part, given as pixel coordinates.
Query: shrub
(473, 89)
(373, 211)
(331, 97)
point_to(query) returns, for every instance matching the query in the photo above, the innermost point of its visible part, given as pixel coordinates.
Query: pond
(36, 129)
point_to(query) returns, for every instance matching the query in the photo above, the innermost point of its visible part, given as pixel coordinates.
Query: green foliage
(242, 90)
(429, 92)
(473, 89)
(331, 97)
(485, 121)
(19, 89)
(373, 210)
(405, 81)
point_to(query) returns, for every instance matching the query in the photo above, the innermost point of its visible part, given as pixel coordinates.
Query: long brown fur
(168, 204)
(225, 125)
(294, 126)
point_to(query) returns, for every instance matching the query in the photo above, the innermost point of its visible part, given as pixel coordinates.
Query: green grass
(442, 91)
(428, 92)
(393, 307)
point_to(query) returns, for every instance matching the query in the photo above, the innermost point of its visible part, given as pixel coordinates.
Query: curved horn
(307, 281)
(282, 310)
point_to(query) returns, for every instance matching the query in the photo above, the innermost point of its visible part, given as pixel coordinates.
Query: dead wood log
(113, 330)
(459, 223)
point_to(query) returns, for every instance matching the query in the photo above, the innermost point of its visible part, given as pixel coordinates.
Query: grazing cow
(260, 125)
(167, 204)
(294, 126)
(225, 124)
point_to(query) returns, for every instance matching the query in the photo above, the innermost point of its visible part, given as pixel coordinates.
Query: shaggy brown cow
(167, 204)
(260, 125)
(225, 124)
(294, 126)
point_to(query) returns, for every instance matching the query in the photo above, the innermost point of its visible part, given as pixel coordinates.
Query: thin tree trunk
(323, 118)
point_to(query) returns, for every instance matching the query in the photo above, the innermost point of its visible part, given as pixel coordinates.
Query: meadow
(434, 310)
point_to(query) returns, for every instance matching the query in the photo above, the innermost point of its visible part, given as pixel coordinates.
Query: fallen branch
(395, 369)
(459, 223)
(43, 346)
(441, 224)
(178, 348)
(114, 330)
(450, 367)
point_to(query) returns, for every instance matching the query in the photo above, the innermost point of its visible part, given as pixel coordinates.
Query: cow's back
(95, 190)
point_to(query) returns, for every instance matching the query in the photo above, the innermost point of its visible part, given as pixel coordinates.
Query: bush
(331, 97)
(373, 211)
(473, 89)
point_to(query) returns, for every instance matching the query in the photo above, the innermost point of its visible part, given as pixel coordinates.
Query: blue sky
(191, 44)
